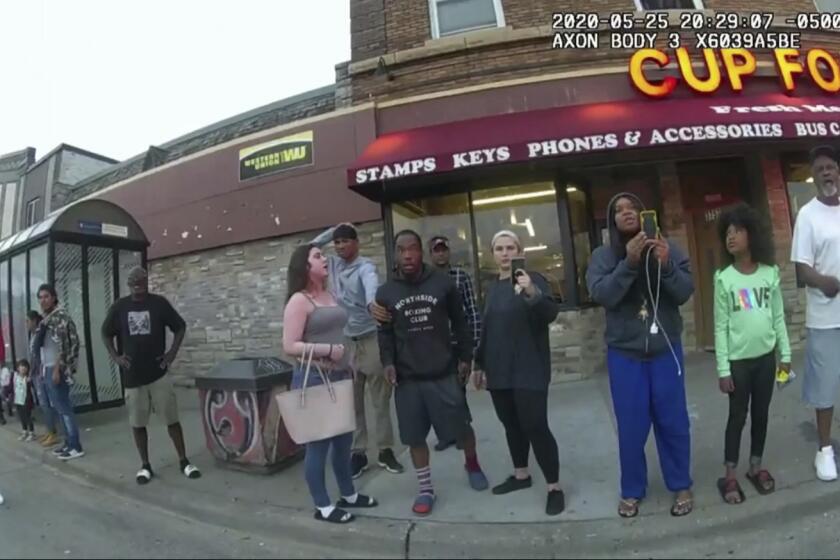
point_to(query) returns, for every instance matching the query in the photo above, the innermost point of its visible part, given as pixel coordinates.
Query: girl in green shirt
(749, 327)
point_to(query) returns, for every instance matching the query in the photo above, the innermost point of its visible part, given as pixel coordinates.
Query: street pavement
(95, 503)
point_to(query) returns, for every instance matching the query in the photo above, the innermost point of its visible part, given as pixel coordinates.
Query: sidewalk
(581, 418)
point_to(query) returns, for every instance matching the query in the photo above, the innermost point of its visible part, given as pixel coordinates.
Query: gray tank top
(325, 325)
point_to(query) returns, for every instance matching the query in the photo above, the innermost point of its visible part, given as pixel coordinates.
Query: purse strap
(324, 378)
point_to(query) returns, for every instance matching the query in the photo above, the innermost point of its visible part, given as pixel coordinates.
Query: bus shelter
(85, 251)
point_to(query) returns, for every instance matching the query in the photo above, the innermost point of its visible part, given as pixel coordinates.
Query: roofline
(215, 126)
(18, 153)
(71, 148)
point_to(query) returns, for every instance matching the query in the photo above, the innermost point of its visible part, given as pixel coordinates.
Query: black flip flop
(757, 482)
(338, 516)
(722, 484)
(362, 501)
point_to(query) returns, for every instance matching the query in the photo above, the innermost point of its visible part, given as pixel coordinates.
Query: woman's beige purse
(318, 412)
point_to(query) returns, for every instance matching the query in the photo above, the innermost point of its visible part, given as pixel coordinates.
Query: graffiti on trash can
(232, 418)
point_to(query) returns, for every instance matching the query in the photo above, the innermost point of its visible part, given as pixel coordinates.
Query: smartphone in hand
(650, 224)
(516, 264)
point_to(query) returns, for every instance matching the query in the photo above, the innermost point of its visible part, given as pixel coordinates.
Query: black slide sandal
(362, 501)
(726, 487)
(338, 516)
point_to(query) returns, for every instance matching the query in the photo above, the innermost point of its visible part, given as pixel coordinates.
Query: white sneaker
(825, 465)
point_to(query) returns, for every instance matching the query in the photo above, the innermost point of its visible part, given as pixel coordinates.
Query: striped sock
(424, 477)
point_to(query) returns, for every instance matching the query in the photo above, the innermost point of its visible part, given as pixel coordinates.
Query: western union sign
(277, 155)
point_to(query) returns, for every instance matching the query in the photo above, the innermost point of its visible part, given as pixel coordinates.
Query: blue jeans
(315, 466)
(59, 396)
(44, 402)
(646, 393)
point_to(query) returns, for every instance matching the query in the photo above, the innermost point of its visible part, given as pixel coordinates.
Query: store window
(450, 17)
(669, 4)
(530, 211)
(581, 224)
(589, 193)
(800, 183)
(443, 215)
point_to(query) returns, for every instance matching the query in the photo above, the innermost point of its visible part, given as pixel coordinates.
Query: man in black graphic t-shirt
(139, 324)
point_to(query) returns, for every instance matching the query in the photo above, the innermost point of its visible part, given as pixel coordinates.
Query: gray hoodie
(623, 291)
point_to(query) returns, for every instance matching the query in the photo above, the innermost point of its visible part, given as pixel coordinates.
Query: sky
(113, 77)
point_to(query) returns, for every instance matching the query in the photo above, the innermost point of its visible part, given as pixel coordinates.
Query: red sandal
(728, 486)
(761, 480)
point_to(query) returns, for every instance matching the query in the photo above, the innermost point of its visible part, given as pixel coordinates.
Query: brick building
(520, 135)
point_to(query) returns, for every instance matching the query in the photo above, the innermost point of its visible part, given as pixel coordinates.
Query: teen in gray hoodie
(641, 283)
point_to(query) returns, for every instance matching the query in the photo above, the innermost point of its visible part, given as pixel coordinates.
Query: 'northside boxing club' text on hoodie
(418, 340)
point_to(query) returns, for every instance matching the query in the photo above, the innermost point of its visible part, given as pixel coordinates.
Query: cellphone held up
(650, 224)
(516, 265)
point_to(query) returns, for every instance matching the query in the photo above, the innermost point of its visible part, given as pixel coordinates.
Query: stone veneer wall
(232, 300)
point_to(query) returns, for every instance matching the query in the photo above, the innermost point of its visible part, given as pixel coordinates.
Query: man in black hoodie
(419, 359)
(641, 283)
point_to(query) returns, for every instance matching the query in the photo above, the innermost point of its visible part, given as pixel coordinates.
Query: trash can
(242, 424)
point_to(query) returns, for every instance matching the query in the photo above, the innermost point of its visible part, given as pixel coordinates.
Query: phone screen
(649, 225)
(516, 264)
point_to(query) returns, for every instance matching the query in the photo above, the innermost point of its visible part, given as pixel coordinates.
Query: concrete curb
(371, 537)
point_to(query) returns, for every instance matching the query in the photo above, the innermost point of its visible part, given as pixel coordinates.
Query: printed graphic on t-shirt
(418, 310)
(139, 323)
(747, 299)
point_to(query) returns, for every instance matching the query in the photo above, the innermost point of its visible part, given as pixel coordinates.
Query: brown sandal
(764, 483)
(628, 508)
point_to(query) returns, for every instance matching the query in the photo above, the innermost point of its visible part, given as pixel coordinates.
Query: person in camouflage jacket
(59, 326)
(58, 345)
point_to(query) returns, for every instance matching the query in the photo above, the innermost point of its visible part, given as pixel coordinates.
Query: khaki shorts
(158, 397)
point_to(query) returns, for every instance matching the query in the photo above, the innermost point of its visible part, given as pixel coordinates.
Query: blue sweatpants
(646, 392)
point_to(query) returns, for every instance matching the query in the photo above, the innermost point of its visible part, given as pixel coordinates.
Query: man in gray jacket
(353, 282)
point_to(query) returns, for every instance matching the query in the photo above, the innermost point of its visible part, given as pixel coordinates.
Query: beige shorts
(158, 397)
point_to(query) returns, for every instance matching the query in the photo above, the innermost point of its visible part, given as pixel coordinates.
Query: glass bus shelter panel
(68, 284)
(100, 297)
(19, 307)
(37, 274)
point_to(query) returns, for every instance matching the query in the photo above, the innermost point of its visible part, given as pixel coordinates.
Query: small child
(24, 400)
(7, 393)
(749, 329)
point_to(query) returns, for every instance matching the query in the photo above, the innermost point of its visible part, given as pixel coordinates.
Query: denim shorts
(822, 368)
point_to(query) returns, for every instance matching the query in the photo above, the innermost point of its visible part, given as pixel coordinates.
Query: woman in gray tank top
(313, 320)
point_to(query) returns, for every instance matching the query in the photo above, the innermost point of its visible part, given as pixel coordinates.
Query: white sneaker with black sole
(825, 465)
(71, 454)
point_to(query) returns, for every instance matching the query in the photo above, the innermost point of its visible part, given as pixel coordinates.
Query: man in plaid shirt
(439, 249)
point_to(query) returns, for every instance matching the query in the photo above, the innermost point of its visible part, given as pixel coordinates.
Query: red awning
(603, 127)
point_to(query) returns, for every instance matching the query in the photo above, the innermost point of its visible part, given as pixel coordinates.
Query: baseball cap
(439, 240)
(824, 150)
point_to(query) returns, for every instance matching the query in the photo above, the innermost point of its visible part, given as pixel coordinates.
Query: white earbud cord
(654, 301)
